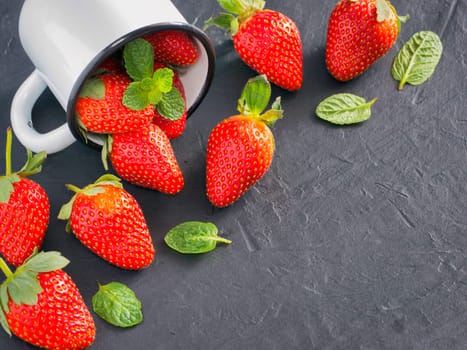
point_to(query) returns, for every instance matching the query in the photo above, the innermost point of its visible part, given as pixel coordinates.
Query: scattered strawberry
(41, 304)
(267, 41)
(172, 128)
(240, 148)
(109, 221)
(100, 108)
(359, 33)
(24, 208)
(173, 47)
(145, 157)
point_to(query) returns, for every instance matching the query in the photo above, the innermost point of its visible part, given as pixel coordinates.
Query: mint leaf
(172, 105)
(163, 78)
(93, 88)
(344, 109)
(149, 90)
(417, 60)
(194, 237)
(135, 96)
(117, 304)
(138, 56)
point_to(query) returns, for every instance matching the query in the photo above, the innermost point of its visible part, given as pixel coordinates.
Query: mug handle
(21, 121)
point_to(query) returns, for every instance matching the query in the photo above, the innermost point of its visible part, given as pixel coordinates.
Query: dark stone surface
(355, 239)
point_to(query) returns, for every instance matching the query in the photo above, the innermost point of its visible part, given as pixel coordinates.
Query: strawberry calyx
(255, 98)
(149, 86)
(238, 12)
(32, 166)
(242, 8)
(22, 286)
(89, 190)
(105, 151)
(384, 9)
(94, 88)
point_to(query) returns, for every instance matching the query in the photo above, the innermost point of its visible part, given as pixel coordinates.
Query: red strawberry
(100, 108)
(240, 148)
(109, 65)
(109, 221)
(172, 128)
(173, 47)
(24, 208)
(267, 41)
(145, 157)
(42, 305)
(359, 33)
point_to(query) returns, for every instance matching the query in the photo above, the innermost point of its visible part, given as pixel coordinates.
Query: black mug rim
(117, 45)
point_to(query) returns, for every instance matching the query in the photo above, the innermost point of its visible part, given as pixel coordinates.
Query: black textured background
(355, 239)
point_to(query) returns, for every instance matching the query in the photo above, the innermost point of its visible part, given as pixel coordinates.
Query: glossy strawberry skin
(269, 42)
(172, 128)
(109, 115)
(112, 225)
(59, 320)
(23, 221)
(355, 39)
(173, 47)
(239, 153)
(145, 157)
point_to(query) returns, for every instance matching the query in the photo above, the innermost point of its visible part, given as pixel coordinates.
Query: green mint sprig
(149, 86)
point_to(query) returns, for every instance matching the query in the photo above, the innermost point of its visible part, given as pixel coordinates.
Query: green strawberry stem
(9, 141)
(33, 163)
(73, 188)
(5, 269)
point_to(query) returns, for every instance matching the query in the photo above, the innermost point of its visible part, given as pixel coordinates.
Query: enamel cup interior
(196, 78)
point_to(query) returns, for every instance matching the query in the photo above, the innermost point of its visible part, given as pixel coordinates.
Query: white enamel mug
(67, 39)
